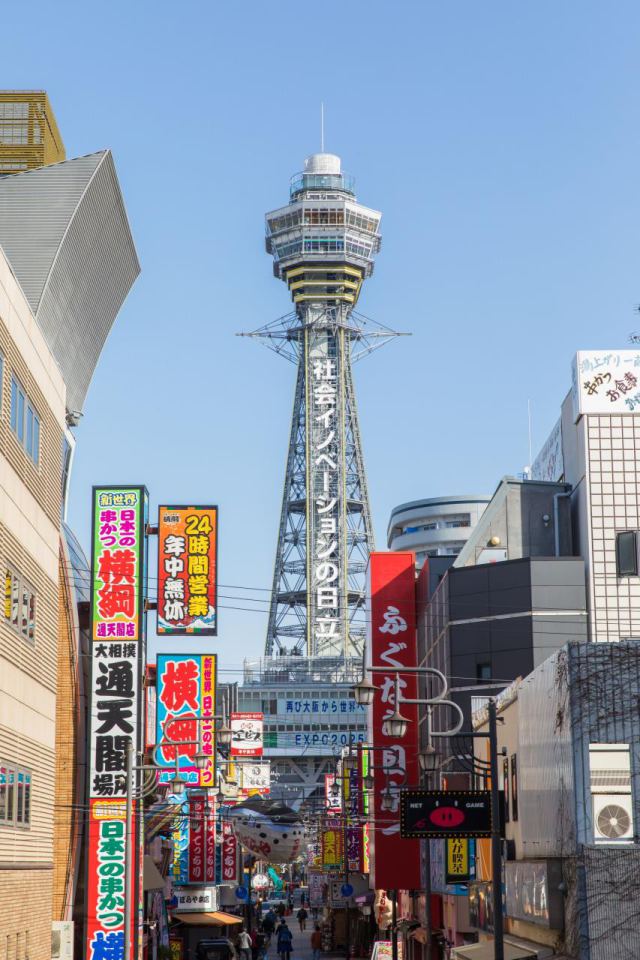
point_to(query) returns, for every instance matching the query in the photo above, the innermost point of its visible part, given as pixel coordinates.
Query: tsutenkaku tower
(323, 244)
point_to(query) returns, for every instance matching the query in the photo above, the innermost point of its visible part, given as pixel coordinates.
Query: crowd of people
(255, 945)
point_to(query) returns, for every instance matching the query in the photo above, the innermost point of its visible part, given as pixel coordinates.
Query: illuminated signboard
(119, 518)
(445, 813)
(185, 692)
(187, 570)
(117, 563)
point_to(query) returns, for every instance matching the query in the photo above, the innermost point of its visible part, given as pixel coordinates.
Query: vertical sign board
(197, 835)
(332, 846)
(229, 853)
(186, 691)
(188, 570)
(246, 734)
(118, 569)
(392, 645)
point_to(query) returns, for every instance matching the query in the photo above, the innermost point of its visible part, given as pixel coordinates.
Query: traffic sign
(346, 890)
(242, 893)
(445, 813)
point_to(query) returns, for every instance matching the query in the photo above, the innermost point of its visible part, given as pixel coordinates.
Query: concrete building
(488, 624)
(67, 261)
(437, 527)
(524, 518)
(309, 715)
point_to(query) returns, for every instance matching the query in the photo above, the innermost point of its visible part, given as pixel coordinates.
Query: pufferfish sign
(269, 829)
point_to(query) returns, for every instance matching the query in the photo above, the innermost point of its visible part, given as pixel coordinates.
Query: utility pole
(496, 840)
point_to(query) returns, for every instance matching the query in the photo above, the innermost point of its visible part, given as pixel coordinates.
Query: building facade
(32, 426)
(67, 261)
(437, 527)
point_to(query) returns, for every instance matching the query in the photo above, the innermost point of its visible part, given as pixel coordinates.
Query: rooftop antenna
(322, 128)
(528, 467)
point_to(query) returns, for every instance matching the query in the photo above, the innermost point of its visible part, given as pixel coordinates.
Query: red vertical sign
(229, 854)
(210, 848)
(196, 839)
(395, 863)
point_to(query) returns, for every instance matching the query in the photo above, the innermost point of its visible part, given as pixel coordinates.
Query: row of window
(451, 523)
(324, 245)
(25, 421)
(20, 605)
(15, 795)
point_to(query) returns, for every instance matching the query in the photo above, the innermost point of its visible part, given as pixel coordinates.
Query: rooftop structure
(58, 224)
(29, 135)
(436, 527)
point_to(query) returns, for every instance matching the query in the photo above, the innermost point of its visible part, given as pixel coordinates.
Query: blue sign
(242, 893)
(346, 890)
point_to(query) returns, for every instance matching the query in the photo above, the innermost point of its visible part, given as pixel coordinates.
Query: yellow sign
(457, 859)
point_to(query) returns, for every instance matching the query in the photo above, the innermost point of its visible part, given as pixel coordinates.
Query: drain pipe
(556, 518)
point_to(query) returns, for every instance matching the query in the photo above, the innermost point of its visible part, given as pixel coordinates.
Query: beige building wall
(30, 504)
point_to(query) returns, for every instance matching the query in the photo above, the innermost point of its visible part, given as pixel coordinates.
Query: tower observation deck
(323, 244)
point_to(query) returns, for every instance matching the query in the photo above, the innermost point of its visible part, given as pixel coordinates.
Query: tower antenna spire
(322, 128)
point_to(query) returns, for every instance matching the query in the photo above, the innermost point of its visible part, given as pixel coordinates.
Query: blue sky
(499, 139)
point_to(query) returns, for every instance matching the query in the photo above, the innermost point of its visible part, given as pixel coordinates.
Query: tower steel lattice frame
(323, 243)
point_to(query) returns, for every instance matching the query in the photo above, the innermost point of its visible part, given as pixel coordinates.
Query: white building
(437, 527)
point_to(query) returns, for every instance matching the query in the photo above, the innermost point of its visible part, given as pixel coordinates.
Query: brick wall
(25, 914)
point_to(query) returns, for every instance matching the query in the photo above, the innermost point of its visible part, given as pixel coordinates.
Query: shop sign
(247, 734)
(317, 883)
(202, 841)
(119, 517)
(202, 899)
(445, 813)
(180, 835)
(354, 849)
(255, 778)
(605, 381)
(392, 646)
(176, 948)
(332, 793)
(229, 854)
(117, 577)
(457, 860)
(187, 570)
(186, 691)
(332, 846)
(549, 464)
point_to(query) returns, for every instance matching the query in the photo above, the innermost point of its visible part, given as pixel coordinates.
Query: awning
(485, 951)
(216, 919)
(152, 879)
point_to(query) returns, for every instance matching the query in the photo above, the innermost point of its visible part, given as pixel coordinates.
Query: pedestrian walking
(316, 943)
(285, 941)
(244, 942)
(302, 919)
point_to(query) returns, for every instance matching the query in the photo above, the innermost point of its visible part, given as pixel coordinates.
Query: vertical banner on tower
(392, 645)
(328, 578)
(185, 692)
(118, 570)
(188, 570)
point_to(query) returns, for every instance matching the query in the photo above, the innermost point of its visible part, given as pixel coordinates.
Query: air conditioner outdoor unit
(612, 818)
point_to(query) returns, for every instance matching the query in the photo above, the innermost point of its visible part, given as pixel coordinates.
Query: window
(20, 605)
(483, 671)
(25, 422)
(627, 554)
(15, 795)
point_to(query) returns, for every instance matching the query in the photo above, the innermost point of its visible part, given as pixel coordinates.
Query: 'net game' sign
(445, 813)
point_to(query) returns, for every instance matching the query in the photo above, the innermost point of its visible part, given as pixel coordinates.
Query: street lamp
(429, 759)
(224, 735)
(364, 692)
(396, 725)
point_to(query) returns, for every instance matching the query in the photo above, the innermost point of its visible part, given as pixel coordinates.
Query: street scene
(320, 482)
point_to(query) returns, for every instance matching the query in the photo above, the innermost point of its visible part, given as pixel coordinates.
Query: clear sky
(501, 142)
